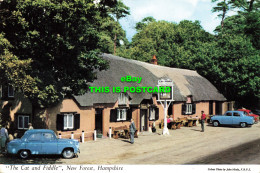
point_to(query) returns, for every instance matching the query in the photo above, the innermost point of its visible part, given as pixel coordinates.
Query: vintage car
(42, 141)
(232, 118)
(248, 112)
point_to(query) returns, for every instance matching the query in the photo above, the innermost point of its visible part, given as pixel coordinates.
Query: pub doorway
(99, 120)
(143, 120)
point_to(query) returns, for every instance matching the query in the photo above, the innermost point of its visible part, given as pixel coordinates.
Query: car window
(35, 137)
(245, 113)
(48, 136)
(236, 114)
(229, 114)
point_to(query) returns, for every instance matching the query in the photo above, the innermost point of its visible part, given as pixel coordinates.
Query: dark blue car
(42, 141)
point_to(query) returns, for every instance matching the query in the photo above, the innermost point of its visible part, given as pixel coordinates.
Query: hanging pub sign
(165, 90)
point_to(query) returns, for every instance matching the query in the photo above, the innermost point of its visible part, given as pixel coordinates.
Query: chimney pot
(154, 60)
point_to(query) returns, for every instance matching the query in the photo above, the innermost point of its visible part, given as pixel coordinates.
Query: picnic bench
(175, 124)
(192, 122)
(122, 131)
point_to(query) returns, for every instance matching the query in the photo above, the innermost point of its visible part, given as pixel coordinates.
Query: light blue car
(237, 118)
(42, 141)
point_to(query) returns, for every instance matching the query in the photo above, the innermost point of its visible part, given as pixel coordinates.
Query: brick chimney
(154, 60)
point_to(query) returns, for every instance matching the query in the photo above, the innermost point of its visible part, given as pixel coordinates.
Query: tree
(59, 39)
(14, 71)
(228, 60)
(245, 22)
(223, 7)
(173, 44)
(119, 11)
(107, 31)
(140, 25)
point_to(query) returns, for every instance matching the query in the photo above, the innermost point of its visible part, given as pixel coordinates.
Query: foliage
(59, 39)
(229, 59)
(119, 11)
(107, 31)
(14, 71)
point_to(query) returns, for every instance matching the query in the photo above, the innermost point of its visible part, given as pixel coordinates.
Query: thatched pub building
(192, 93)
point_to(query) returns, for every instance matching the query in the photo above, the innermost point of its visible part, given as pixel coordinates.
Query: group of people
(132, 127)
(4, 133)
(4, 136)
(202, 120)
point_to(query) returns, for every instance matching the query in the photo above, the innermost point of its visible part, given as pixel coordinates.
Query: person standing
(132, 130)
(203, 118)
(4, 138)
(30, 126)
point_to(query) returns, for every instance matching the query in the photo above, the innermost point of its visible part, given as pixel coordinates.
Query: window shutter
(150, 112)
(16, 122)
(193, 108)
(129, 115)
(76, 121)
(113, 115)
(60, 122)
(156, 113)
(183, 109)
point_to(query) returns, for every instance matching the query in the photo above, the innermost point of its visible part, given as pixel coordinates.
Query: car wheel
(68, 153)
(242, 125)
(215, 123)
(24, 154)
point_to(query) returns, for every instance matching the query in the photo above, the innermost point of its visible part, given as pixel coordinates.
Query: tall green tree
(14, 71)
(223, 7)
(60, 38)
(119, 11)
(229, 60)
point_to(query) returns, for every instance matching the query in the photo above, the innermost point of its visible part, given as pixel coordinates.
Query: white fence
(83, 134)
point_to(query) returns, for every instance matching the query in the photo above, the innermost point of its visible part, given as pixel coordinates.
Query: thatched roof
(186, 82)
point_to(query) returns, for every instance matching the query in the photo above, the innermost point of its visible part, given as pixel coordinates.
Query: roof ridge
(146, 63)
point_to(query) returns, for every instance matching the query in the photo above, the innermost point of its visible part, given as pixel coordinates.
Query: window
(236, 114)
(35, 137)
(121, 114)
(245, 113)
(229, 114)
(48, 136)
(152, 114)
(68, 121)
(23, 121)
(122, 99)
(10, 91)
(189, 109)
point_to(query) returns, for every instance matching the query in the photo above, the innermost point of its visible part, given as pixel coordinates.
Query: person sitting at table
(168, 121)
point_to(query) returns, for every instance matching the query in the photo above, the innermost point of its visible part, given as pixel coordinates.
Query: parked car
(42, 141)
(248, 112)
(232, 118)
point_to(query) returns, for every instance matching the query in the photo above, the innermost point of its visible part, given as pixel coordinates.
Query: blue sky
(171, 11)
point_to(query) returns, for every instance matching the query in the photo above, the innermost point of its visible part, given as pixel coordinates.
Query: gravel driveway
(183, 146)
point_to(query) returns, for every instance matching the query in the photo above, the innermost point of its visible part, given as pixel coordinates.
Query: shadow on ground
(39, 159)
(248, 153)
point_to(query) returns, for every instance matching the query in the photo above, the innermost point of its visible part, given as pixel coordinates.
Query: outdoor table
(172, 125)
(192, 122)
(178, 124)
(115, 135)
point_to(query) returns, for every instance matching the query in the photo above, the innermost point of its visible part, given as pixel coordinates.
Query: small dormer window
(122, 99)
